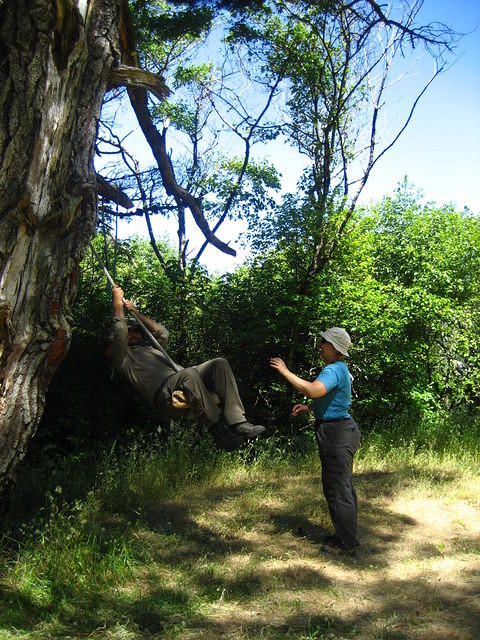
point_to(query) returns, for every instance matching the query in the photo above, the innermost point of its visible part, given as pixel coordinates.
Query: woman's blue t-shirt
(336, 378)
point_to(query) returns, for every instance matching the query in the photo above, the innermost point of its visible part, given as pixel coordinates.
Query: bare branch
(132, 165)
(135, 77)
(372, 161)
(247, 140)
(111, 192)
(138, 98)
(435, 34)
(153, 241)
(410, 115)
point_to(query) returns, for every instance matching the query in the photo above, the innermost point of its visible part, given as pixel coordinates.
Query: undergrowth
(72, 542)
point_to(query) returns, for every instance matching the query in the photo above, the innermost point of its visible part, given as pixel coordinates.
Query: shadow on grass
(159, 611)
(299, 526)
(385, 483)
(18, 611)
(83, 613)
(191, 586)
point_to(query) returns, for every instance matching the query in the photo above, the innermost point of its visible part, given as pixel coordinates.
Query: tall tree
(56, 64)
(338, 65)
(58, 60)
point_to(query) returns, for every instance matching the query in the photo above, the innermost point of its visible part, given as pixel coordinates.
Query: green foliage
(398, 283)
(426, 268)
(252, 198)
(193, 74)
(404, 283)
(158, 22)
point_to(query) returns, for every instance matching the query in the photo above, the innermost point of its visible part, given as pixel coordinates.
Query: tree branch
(247, 140)
(134, 77)
(112, 193)
(138, 99)
(157, 142)
(436, 34)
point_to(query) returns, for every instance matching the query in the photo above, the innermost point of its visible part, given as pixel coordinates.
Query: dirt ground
(253, 552)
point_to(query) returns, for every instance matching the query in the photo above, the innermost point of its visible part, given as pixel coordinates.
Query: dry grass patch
(250, 550)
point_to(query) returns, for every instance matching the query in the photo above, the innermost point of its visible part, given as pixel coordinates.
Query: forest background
(401, 275)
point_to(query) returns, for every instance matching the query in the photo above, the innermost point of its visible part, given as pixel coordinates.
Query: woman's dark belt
(319, 421)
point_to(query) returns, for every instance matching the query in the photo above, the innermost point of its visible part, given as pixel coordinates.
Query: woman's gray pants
(337, 444)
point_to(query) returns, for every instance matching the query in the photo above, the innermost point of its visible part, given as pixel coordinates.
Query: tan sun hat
(339, 338)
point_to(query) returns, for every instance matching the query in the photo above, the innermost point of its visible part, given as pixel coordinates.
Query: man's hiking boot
(231, 438)
(225, 438)
(247, 429)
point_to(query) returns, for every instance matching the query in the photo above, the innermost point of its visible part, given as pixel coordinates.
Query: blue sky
(440, 150)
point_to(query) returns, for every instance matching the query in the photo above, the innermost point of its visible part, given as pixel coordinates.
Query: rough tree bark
(55, 61)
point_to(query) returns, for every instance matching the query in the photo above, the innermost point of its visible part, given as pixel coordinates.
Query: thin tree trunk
(55, 60)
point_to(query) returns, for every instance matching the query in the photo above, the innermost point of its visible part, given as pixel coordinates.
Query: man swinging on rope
(154, 374)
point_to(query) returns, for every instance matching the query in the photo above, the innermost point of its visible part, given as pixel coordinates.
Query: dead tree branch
(124, 76)
(111, 192)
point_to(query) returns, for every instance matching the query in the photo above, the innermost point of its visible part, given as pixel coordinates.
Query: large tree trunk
(55, 60)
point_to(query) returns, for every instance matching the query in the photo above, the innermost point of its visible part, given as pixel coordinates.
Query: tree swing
(178, 399)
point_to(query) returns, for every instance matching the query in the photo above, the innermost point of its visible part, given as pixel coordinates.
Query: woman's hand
(300, 408)
(315, 389)
(279, 365)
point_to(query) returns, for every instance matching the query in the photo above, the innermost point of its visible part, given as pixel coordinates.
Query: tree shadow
(176, 519)
(18, 610)
(191, 575)
(385, 484)
(299, 526)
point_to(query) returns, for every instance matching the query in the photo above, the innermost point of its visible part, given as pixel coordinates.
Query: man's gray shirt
(144, 366)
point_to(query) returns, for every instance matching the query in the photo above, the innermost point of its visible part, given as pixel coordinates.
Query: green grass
(192, 543)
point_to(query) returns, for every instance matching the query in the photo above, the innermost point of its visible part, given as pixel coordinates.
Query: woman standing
(337, 434)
